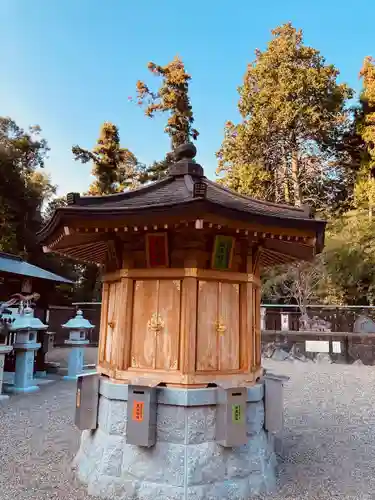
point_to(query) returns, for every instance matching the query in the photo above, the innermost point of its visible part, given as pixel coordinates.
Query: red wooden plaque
(157, 250)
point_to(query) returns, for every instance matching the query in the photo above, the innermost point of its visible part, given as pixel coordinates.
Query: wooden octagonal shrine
(181, 262)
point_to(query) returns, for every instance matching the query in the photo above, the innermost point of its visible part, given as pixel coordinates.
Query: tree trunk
(295, 179)
(370, 201)
(278, 185)
(301, 304)
(285, 180)
(284, 176)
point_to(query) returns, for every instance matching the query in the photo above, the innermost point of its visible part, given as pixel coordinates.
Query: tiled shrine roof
(184, 190)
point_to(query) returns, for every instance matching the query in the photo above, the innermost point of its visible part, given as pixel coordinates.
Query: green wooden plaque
(237, 414)
(222, 253)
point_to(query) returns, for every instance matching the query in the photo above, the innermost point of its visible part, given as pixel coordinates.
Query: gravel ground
(37, 443)
(329, 438)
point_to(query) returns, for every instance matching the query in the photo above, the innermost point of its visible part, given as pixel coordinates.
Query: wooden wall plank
(145, 314)
(245, 329)
(229, 326)
(122, 341)
(207, 355)
(168, 338)
(111, 319)
(188, 329)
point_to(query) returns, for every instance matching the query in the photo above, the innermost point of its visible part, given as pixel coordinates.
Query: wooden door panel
(111, 319)
(143, 324)
(206, 355)
(168, 337)
(229, 326)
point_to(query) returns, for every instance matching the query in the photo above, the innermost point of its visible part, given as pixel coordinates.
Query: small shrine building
(181, 262)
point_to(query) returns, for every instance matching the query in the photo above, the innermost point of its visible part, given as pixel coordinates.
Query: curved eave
(196, 207)
(24, 269)
(95, 201)
(299, 211)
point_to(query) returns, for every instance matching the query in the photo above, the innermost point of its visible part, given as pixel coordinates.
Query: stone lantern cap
(78, 322)
(27, 321)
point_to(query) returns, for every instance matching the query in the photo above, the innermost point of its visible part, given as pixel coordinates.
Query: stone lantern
(184, 408)
(26, 328)
(5, 321)
(78, 328)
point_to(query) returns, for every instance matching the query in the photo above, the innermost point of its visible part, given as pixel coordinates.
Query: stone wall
(186, 462)
(342, 319)
(291, 346)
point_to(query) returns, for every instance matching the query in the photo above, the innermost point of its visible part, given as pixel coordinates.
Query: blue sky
(70, 65)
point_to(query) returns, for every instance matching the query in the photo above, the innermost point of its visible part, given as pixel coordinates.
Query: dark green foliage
(157, 170)
(115, 168)
(293, 113)
(52, 205)
(171, 98)
(23, 187)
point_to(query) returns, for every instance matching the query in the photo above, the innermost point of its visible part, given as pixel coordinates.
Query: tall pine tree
(173, 99)
(293, 112)
(24, 187)
(114, 168)
(365, 135)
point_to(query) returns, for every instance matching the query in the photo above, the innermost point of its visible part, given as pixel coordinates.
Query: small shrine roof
(84, 229)
(186, 188)
(27, 321)
(15, 265)
(78, 322)
(174, 191)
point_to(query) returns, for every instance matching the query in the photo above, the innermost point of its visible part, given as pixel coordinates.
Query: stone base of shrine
(185, 463)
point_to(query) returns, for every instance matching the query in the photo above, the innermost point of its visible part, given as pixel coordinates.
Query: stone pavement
(329, 450)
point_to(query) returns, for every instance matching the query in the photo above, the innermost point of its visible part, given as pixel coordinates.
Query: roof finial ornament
(186, 151)
(185, 163)
(72, 198)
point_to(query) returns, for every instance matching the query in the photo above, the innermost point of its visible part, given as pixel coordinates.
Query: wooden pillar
(103, 323)
(253, 316)
(45, 289)
(188, 332)
(121, 342)
(257, 332)
(256, 287)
